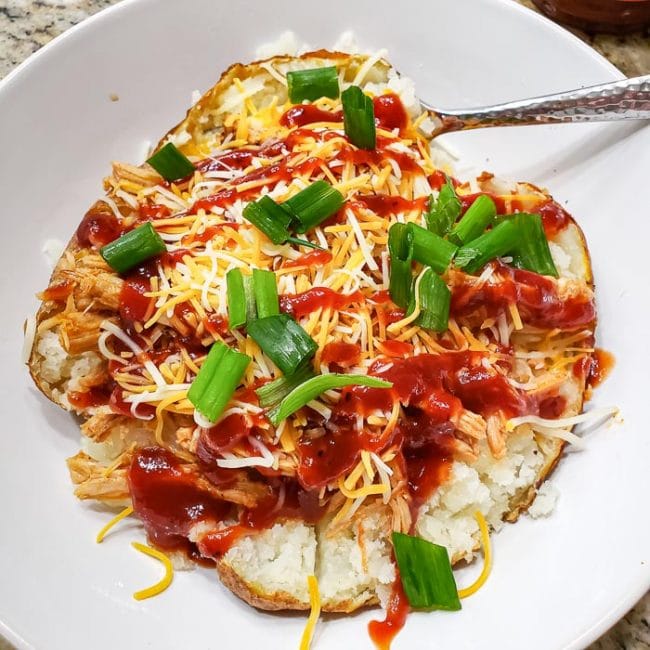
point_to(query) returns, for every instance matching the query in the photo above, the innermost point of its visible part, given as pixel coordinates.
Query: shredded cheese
(166, 580)
(115, 520)
(487, 559)
(314, 614)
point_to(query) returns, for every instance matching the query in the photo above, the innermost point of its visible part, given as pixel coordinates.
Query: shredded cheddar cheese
(166, 580)
(487, 559)
(314, 614)
(122, 515)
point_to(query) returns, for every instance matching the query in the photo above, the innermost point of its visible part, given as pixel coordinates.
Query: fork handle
(628, 99)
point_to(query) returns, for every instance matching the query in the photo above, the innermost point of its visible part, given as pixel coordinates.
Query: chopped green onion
(431, 250)
(477, 218)
(400, 249)
(217, 380)
(314, 204)
(273, 220)
(132, 248)
(499, 241)
(236, 295)
(442, 214)
(283, 341)
(425, 571)
(359, 118)
(533, 252)
(314, 387)
(313, 84)
(303, 242)
(170, 163)
(434, 298)
(266, 293)
(275, 391)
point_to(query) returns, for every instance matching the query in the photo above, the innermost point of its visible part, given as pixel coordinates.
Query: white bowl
(556, 583)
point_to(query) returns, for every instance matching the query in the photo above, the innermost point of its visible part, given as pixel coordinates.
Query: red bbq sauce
(393, 348)
(390, 112)
(552, 407)
(439, 178)
(270, 175)
(383, 632)
(59, 291)
(168, 500)
(237, 159)
(384, 205)
(535, 295)
(554, 217)
(213, 231)
(313, 258)
(134, 305)
(602, 363)
(286, 500)
(308, 114)
(301, 304)
(378, 156)
(433, 389)
(341, 354)
(119, 406)
(223, 436)
(151, 212)
(98, 227)
(95, 396)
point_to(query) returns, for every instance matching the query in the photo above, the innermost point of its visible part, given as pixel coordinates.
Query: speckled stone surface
(26, 25)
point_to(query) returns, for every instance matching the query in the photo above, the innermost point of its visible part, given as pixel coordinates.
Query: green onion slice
(425, 571)
(218, 377)
(303, 242)
(499, 241)
(170, 163)
(431, 249)
(271, 394)
(477, 218)
(283, 341)
(442, 213)
(435, 298)
(266, 215)
(313, 84)
(241, 301)
(359, 118)
(266, 293)
(314, 204)
(132, 248)
(400, 249)
(533, 252)
(316, 386)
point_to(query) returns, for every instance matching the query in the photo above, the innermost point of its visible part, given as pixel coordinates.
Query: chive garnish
(400, 249)
(425, 571)
(314, 204)
(266, 293)
(430, 249)
(132, 248)
(312, 84)
(359, 118)
(314, 387)
(477, 218)
(170, 163)
(217, 380)
(444, 211)
(283, 341)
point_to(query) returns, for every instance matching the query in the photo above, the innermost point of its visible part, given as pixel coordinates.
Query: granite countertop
(26, 25)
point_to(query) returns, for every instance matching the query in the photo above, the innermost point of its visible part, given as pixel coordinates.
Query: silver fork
(628, 99)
